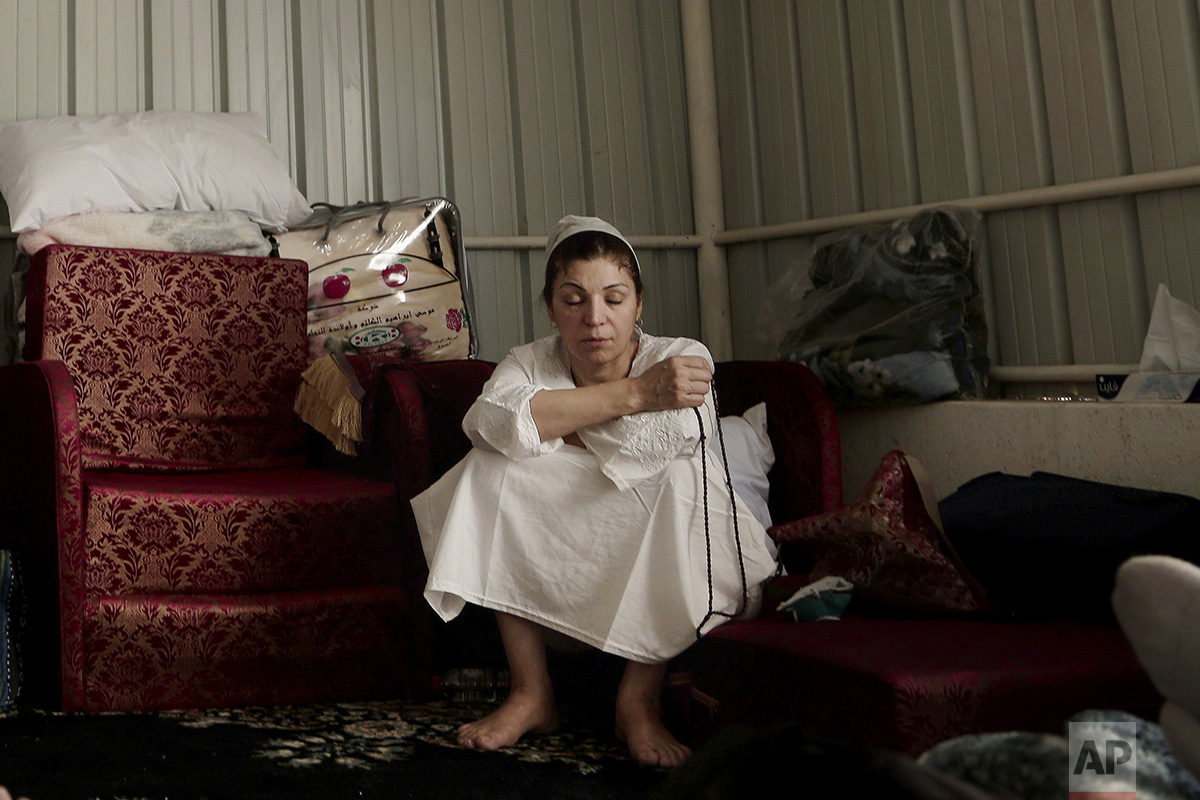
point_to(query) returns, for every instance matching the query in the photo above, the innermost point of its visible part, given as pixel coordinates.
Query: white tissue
(1173, 340)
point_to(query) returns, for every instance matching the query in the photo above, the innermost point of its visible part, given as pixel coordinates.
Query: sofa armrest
(448, 389)
(401, 431)
(807, 476)
(41, 492)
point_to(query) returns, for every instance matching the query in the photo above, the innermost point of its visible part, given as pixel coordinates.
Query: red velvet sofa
(180, 544)
(903, 684)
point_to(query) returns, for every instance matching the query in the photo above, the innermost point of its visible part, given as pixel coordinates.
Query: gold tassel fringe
(326, 402)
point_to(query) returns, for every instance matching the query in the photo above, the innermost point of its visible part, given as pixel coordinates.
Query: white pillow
(751, 457)
(145, 161)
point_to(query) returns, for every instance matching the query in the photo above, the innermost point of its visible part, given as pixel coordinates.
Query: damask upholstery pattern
(179, 361)
(178, 651)
(255, 531)
(178, 581)
(69, 512)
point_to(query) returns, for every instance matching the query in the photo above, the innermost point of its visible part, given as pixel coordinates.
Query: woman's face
(595, 306)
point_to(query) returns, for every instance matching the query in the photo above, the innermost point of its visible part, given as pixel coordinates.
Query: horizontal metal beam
(1141, 183)
(1163, 180)
(683, 241)
(680, 242)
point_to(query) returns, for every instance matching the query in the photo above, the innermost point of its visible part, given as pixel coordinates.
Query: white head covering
(570, 225)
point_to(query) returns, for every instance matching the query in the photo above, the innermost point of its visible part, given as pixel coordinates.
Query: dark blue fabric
(1049, 545)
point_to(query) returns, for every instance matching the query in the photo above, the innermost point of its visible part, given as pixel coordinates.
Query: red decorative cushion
(180, 361)
(887, 545)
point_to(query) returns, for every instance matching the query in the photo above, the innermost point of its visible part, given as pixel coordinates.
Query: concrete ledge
(1145, 445)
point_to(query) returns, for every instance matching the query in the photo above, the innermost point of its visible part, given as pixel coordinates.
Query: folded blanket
(227, 232)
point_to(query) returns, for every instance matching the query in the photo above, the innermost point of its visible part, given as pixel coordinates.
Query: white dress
(604, 544)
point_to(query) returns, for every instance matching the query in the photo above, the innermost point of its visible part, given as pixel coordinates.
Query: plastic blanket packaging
(386, 276)
(887, 314)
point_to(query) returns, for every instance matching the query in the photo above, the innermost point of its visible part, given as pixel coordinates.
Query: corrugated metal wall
(521, 110)
(505, 106)
(843, 106)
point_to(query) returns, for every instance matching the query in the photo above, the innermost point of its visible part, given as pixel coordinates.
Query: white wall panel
(745, 35)
(409, 105)
(479, 133)
(780, 146)
(548, 142)
(830, 119)
(1157, 44)
(109, 68)
(259, 77)
(883, 105)
(1087, 141)
(742, 175)
(522, 110)
(1028, 292)
(184, 71)
(921, 101)
(335, 91)
(545, 120)
(549, 146)
(663, 99)
(617, 155)
(672, 290)
(943, 110)
(33, 56)
(477, 110)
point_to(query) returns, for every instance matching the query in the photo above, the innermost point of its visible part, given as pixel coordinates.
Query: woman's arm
(503, 419)
(637, 447)
(499, 419)
(677, 382)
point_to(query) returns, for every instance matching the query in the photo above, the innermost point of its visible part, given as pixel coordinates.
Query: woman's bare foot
(525, 711)
(640, 726)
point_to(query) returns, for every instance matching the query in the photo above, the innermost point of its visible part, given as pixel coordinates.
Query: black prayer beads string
(737, 536)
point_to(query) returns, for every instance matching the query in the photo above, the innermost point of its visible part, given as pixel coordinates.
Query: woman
(580, 509)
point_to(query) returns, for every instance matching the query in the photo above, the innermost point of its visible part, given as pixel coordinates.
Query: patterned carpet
(351, 750)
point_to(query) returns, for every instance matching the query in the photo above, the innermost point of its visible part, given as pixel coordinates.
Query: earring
(637, 329)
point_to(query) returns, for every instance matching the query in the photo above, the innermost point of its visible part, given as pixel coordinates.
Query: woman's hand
(677, 382)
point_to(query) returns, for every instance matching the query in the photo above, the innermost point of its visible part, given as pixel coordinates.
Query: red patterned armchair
(180, 548)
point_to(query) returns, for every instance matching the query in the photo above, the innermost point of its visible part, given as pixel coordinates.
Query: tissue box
(1150, 387)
